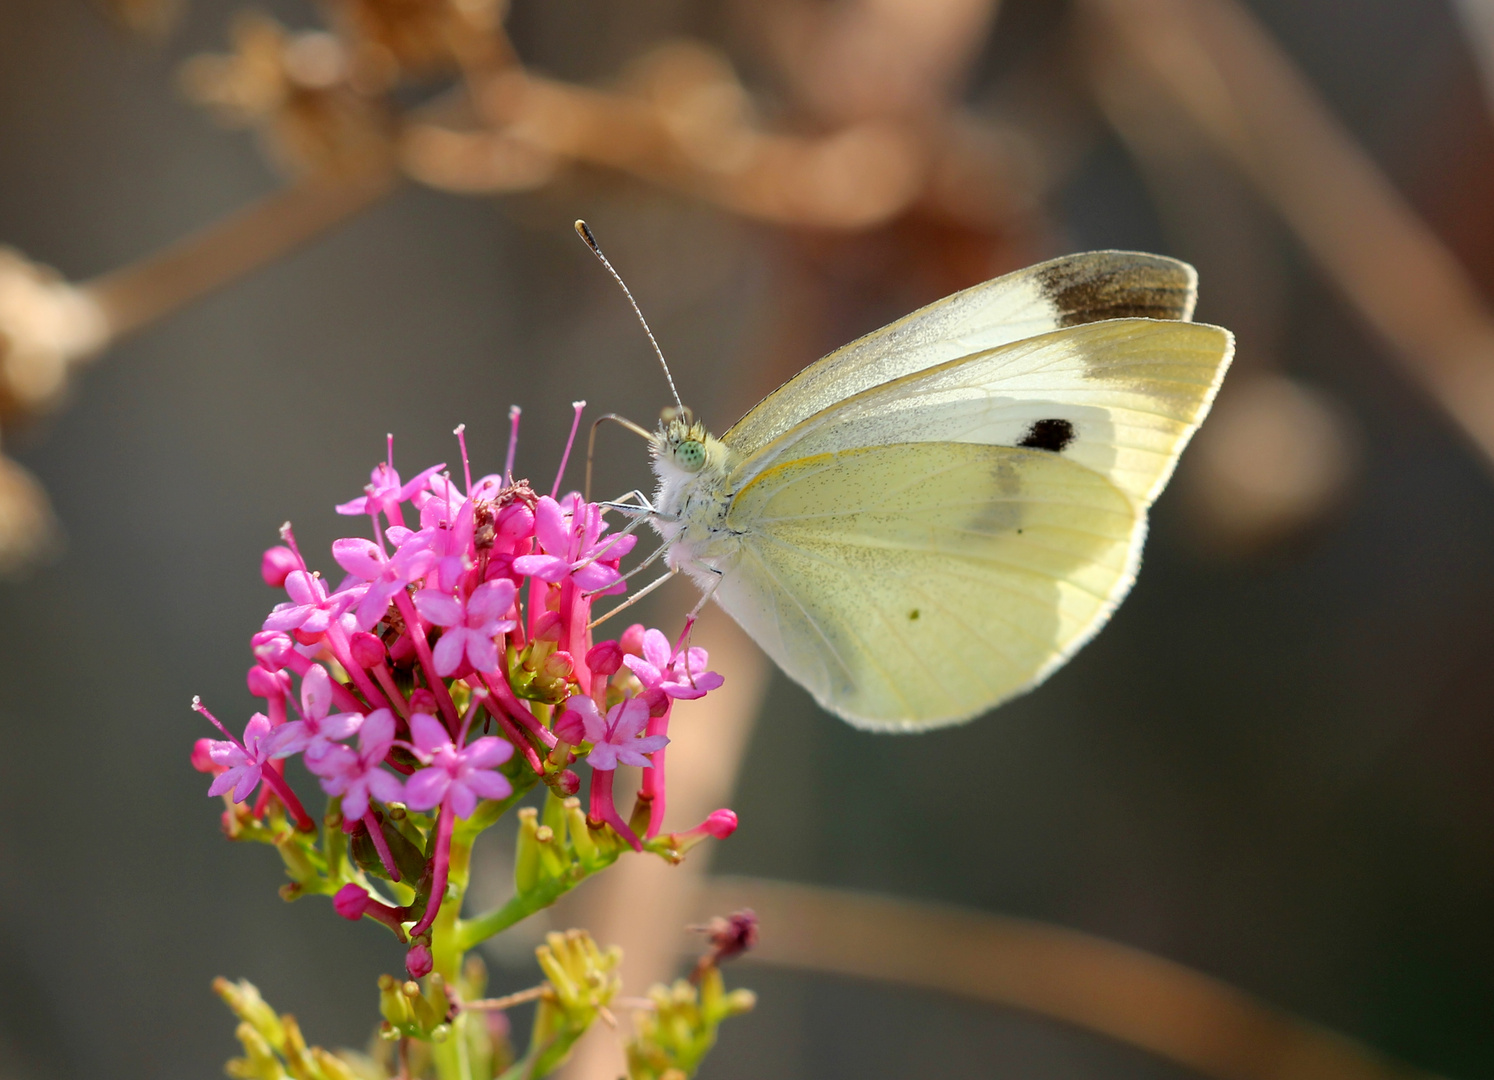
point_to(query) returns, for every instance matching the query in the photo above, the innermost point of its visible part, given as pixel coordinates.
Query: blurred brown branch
(137, 295)
(1125, 993)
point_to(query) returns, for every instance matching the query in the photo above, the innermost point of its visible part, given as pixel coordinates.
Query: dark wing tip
(1100, 285)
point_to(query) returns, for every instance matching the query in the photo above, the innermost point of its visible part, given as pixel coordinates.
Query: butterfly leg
(644, 565)
(642, 506)
(683, 644)
(612, 540)
(630, 601)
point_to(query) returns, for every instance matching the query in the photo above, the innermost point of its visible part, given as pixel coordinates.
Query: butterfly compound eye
(690, 455)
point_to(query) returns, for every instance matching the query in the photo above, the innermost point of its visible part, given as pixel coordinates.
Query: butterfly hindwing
(909, 586)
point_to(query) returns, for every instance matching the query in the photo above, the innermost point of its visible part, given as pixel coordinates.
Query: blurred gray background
(1276, 765)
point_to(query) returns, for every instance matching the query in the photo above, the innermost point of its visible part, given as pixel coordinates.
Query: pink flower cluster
(476, 618)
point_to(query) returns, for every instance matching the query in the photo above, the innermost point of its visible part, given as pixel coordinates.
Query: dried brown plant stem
(1098, 985)
(137, 295)
(1249, 102)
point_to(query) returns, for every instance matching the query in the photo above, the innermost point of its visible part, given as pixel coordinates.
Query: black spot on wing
(1112, 285)
(1052, 435)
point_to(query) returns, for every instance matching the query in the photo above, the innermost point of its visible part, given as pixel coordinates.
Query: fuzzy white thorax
(692, 503)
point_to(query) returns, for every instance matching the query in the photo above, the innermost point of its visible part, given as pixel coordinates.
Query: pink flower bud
(200, 759)
(367, 650)
(657, 700)
(423, 700)
(559, 665)
(720, 823)
(271, 648)
(268, 684)
(570, 728)
(351, 901)
(547, 627)
(605, 659)
(418, 960)
(631, 641)
(515, 521)
(568, 783)
(277, 565)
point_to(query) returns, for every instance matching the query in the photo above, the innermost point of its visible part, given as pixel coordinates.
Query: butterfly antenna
(583, 230)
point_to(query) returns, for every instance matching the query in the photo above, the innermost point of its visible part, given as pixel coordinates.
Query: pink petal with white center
(385, 786)
(627, 719)
(257, 728)
(339, 726)
(287, 739)
(549, 568)
(426, 788)
(551, 528)
(301, 587)
(490, 785)
(285, 617)
(490, 601)
(438, 608)
(359, 557)
(334, 767)
(482, 651)
(316, 692)
(656, 649)
(647, 673)
(603, 756)
(591, 720)
(377, 730)
(487, 752)
(462, 799)
(449, 650)
(248, 781)
(595, 576)
(428, 733)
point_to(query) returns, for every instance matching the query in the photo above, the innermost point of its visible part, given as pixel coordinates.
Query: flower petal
(428, 733)
(550, 527)
(490, 785)
(490, 601)
(426, 788)
(486, 752)
(359, 556)
(448, 651)
(462, 799)
(438, 608)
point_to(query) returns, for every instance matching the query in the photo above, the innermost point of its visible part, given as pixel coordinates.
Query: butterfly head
(683, 447)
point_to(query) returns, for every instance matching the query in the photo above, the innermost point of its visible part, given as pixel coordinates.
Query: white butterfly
(935, 517)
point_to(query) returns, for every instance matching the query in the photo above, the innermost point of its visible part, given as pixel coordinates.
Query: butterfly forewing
(1063, 292)
(1119, 397)
(917, 584)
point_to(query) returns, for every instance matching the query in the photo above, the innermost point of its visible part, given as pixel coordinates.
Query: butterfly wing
(914, 585)
(1063, 292)
(1121, 397)
(920, 551)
